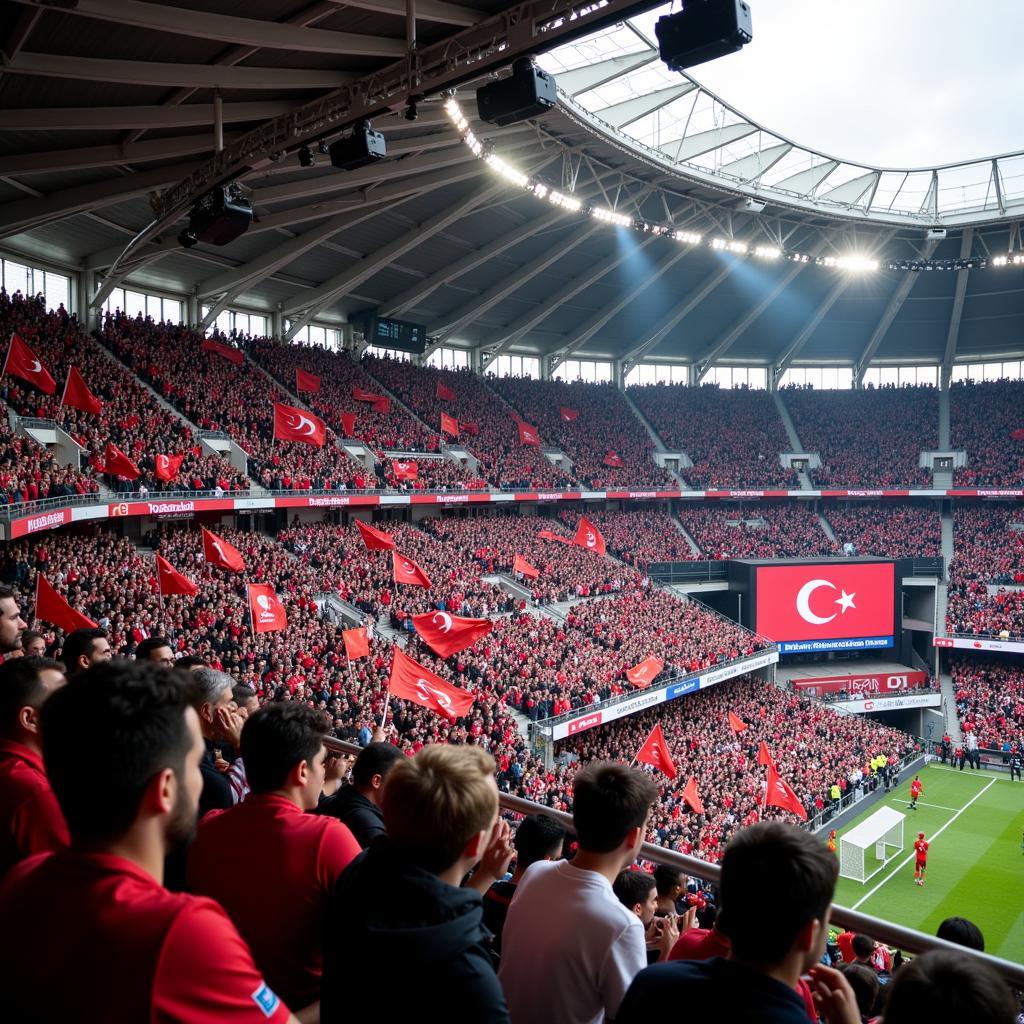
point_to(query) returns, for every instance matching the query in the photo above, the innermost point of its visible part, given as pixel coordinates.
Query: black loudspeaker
(703, 30)
(528, 92)
(364, 146)
(220, 216)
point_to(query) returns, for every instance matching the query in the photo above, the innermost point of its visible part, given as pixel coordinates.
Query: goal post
(869, 846)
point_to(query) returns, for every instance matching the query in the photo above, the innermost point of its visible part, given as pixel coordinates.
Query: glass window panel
(959, 372)
(889, 375)
(16, 278)
(992, 371)
(57, 288)
(153, 307)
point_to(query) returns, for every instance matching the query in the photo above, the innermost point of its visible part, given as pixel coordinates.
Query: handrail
(882, 931)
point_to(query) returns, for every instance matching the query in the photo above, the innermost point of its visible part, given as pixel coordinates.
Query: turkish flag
(444, 393)
(567, 415)
(449, 425)
(167, 466)
(655, 752)
(471, 428)
(382, 405)
(219, 552)
(692, 797)
(291, 424)
(362, 395)
(24, 363)
(446, 634)
(736, 723)
(357, 643)
(645, 673)
(170, 581)
(612, 459)
(117, 463)
(825, 601)
(232, 355)
(764, 756)
(589, 536)
(780, 795)
(78, 396)
(52, 608)
(266, 612)
(405, 470)
(348, 424)
(550, 535)
(521, 565)
(528, 435)
(411, 681)
(405, 570)
(375, 540)
(306, 381)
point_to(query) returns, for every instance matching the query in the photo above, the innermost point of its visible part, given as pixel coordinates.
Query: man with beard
(122, 746)
(12, 625)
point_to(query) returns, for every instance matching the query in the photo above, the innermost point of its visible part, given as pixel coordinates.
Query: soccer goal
(869, 846)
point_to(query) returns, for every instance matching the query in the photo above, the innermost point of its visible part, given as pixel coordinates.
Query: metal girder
(752, 167)
(586, 331)
(805, 182)
(145, 72)
(699, 143)
(835, 292)
(509, 335)
(854, 190)
(618, 115)
(218, 307)
(16, 38)
(226, 28)
(959, 293)
(893, 307)
(472, 310)
(426, 10)
(732, 335)
(107, 118)
(591, 76)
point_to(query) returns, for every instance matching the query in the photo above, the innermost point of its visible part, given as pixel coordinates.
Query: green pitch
(974, 822)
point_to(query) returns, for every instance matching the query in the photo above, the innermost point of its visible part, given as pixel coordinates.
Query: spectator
(122, 748)
(12, 625)
(671, 885)
(30, 820)
(246, 701)
(221, 726)
(156, 650)
(358, 806)
(570, 949)
(638, 893)
(33, 644)
(864, 982)
(84, 648)
(701, 943)
(402, 896)
(962, 932)
(283, 750)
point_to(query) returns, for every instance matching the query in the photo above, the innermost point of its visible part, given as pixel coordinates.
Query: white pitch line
(941, 807)
(978, 775)
(935, 835)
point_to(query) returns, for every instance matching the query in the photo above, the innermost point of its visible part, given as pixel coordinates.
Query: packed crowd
(867, 438)
(733, 437)
(487, 426)
(983, 419)
(130, 417)
(28, 472)
(888, 529)
(593, 425)
(639, 536)
(990, 700)
(756, 531)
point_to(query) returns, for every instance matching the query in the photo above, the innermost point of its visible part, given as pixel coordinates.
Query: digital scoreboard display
(386, 332)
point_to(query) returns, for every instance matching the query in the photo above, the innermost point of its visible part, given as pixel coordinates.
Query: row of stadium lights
(852, 263)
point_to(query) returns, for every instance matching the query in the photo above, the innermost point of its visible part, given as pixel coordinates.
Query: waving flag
(444, 393)
(405, 470)
(52, 608)
(589, 536)
(306, 381)
(118, 464)
(567, 415)
(645, 673)
(446, 634)
(219, 552)
(471, 428)
(612, 459)
(449, 425)
(24, 363)
(291, 424)
(521, 565)
(382, 405)
(374, 539)
(528, 435)
(780, 795)
(764, 756)
(170, 581)
(405, 570)
(167, 467)
(736, 723)
(266, 612)
(362, 395)
(550, 535)
(232, 355)
(78, 396)
(411, 681)
(357, 643)
(348, 424)
(655, 752)
(692, 797)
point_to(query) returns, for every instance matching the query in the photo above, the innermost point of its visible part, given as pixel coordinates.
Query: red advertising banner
(880, 682)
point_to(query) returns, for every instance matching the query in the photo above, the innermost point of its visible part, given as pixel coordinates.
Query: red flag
(444, 393)
(645, 673)
(117, 463)
(405, 570)
(232, 355)
(411, 681)
(449, 425)
(655, 752)
(1017, 435)
(291, 424)
(52, 608)
(78, 396)
(167, 466)
(348, 423)
(266, 612)
(306, 381)
(589, 536)
(24, 363)
(550, 535)
(357, 643)
(471, 428)
(382, 405)
(362, 395)
(375, 540)
(405, 470)
(780, 795)
(219, 552)
(170, 581)
(692, 797)
(447, 634)
(612, 459)
(736, 723)
(528, 435)
(764, 756)
(521, 565)
(567, 415)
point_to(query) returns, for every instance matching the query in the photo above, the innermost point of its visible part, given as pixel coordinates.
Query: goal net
(869, 846)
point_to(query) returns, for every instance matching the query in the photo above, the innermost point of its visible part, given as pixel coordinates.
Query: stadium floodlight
(768, 252)
(610, 216)
(688, 237)
(507, 171)
(852, 263)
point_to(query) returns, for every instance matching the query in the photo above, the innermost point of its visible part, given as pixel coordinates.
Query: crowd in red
(990, 700)
(756, 531)
(28, 472)
(888, 528)
(867, 438)
(983, 417)
(639, 536)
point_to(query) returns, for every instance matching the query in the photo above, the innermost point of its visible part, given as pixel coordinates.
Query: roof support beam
(115, 118)
(834, 294)
(426, 10)
(959, 293)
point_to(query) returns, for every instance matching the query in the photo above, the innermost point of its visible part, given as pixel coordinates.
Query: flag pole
(384, 716)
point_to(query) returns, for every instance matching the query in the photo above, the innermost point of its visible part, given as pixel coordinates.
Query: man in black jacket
(398, 923)
(358, 805)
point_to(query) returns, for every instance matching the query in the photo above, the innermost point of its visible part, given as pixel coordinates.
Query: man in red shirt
(30, 820)
(921, 850)
(122, 747)
(915, 792)
(303, 854)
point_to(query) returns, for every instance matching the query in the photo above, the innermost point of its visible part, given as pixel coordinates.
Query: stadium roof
(108, 101)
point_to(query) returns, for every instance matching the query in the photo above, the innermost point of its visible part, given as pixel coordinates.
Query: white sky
(894, 83)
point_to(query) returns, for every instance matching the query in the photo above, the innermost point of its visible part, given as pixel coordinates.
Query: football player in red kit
(915, 792)
(921, 851)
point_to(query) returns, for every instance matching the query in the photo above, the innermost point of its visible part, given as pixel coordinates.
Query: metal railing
(882, 931)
